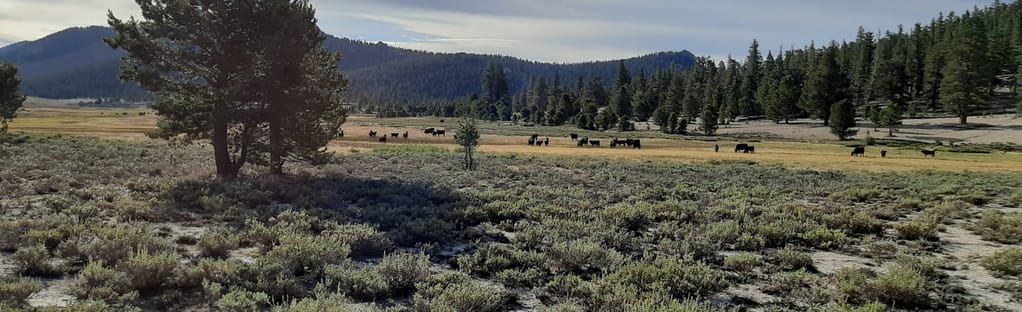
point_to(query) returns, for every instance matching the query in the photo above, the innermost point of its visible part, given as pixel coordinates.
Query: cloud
(551, 30)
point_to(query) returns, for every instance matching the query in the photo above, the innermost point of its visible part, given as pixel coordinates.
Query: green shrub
(461, 296)
(34, 261)
(857, 194)
(494, 257)
(87, 306)
(97, 282)
(128, 209)
(743, 262)
(824, 239)
(568, 286)
(977, 198)
(1004, 262)
(243, 301)
(1001, 227)
(365, 284)
(364, 240)
(946, 212)
(403, 271)
(318, 304)
(792, 260)
(217, 243)
(307, 254)
(903, 286)
(520, 278)
(583, 257)
(678, 278)
(853, 284)
(111, 245)
(1016, 199)
(786, 283)
(910, 203)
(14, 291)
(916, 230)
(148, 272)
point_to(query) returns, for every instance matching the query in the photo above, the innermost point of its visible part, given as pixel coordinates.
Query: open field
(126, 124)
(109, 225)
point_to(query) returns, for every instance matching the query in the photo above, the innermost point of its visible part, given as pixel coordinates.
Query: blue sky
(551, 30)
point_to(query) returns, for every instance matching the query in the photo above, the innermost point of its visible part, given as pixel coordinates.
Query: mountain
(75, 63)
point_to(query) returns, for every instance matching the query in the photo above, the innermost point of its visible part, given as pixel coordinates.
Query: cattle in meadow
(429, 130)
(383, 139)
(636, 144)
(859, 151)
(750, 149)
(883, 154)
(742, 148)
(372, 133)
(594, 143)
(583, 141)
(613, 143)
(394, 134)
(716, 148)
(532, 141)
(405, 135)
(340, 134)
(546, 141)
(440, 132)
(574, 136)
(929, 153)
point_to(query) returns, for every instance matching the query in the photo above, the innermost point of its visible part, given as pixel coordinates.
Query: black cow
(742, 148)
(583, 141)
(440, 132)
(429, 130)
(394, 135)
(613, 143)
(383, 139)
(532, 141)
(927, 153)
(716, 148)
(341, 134)
(405, 135)
(574, 136)
(372, 133)
(636, 144)
(859, 151)
(546, 142)
(594, 143)
(883, 154)
(751, 149)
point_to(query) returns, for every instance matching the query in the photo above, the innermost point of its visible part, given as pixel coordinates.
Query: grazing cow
(883, 154)
(341, 134)
(383, 139)
(532, 141)
(594, 143)
(440, 132)
(441, 120)
(716, 148)
(927, 153)
(636, 144)
(742, 148)
(405, 135)
(429, 130)
(546, 142)
(580, 143)
(372, 133)
(394, 135)
(613, 143)
(574, 136)
(631, 142)
(751, 149)
(859, 151)
(583, 141)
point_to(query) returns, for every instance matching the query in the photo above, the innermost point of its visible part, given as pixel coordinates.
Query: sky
(562, 31)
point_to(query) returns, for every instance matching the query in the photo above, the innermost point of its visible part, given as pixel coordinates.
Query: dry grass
(114, 124)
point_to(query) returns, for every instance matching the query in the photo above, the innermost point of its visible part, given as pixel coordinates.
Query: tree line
(956, 65)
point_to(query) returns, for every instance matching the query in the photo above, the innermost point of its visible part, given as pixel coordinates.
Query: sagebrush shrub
(461, 296)
(34, 261)
(217, 243)
(916, 230)
(903, 286)
(792, 260)
(403, 271)
(743, 262)
(364, 240)
(361, 283)
(97, 282)
(242, 301)
(1004, 262)
(14, 291)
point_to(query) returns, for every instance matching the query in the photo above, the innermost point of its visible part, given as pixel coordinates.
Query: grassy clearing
(403, 228)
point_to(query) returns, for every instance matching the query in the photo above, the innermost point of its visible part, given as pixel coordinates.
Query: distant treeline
(955, 65)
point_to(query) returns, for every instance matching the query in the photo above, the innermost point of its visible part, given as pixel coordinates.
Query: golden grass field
(127, 124)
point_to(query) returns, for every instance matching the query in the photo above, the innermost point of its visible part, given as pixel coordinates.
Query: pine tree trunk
(276, 148)
(224, 169)
(962, 118)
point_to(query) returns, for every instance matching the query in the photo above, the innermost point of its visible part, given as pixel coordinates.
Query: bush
(14, 291)
(365, 240)
(307, 254)
(34, 261)
(743, 262)
(365, 284)
(1001, 227)
(903, 286)
(824, 239)
(242, 301)
(1004, 262)
(97, 282)
(792, 260)
(460, 296)
(853, 284)
(675, 277)
(582, 257)
(403, 271)
(217, 243)
(916, 230)
(111, 245)
(319, 304)
(521, 278)
(148, 272)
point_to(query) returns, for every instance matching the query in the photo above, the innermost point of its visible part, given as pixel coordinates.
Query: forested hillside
(958, 64)
(76, 63)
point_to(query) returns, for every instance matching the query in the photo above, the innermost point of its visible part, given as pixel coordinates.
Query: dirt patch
(7, 266)
(54, 294)
(968, 248)
(245, 255)
(829, 262)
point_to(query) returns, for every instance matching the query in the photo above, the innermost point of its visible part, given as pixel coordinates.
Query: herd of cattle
(534, 140)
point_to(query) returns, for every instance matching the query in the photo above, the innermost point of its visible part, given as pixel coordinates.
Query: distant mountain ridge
(76, 63)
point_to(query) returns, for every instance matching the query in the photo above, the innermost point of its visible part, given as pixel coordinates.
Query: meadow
(96, 217)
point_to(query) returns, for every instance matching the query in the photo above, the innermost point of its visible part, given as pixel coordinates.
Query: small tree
(10, 99)
(842, 119)
(709, 120)
(890, 117)
(467, 138)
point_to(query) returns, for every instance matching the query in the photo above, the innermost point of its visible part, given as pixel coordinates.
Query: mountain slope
(76, 63)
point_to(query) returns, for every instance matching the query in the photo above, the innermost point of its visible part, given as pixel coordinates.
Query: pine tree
(10, 98)
(862, 67)
(842, 120)
(621, 103)
(750, 81)
(890, 117)
(963, 75)
(711, 105)
(468, 138)
(933, 74)
(825, 87)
